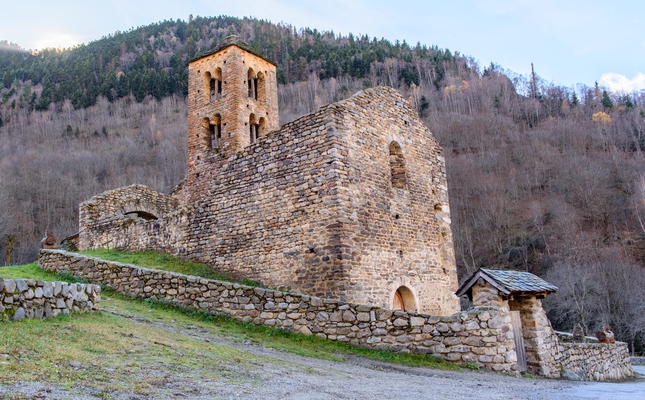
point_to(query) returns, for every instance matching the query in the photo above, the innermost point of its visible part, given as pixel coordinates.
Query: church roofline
(231, 40)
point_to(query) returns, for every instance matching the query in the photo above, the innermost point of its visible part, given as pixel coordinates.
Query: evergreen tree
(606, 101)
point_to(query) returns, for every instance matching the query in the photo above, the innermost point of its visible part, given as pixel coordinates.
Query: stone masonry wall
(268, 212)
(312, 207)
(309, 207)
(595, 361)
(112, 220)
(540, 341)
(397, 236)
(29, 298)
(480, 335)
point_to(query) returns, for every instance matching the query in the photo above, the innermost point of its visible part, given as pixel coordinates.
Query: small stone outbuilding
(538, 347)
(519, 294)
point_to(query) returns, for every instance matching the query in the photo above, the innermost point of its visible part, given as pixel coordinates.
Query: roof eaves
(228, 42)
(480, 274)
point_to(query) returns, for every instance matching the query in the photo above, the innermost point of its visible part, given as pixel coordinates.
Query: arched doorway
(404, 300)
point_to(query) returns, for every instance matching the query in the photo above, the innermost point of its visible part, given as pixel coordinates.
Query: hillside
(151, 60)
(542, 178)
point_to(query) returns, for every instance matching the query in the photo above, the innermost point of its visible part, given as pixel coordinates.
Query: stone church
(349, 202)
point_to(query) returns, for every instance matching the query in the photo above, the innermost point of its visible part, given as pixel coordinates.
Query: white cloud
(619, 83)
(57, 40)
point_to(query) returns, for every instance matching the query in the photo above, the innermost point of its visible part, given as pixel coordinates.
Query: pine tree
(606, 101)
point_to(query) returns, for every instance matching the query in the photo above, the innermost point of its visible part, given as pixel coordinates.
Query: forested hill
(152, 60)
(541, 178)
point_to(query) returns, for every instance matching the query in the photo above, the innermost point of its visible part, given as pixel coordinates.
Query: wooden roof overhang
(508, 284)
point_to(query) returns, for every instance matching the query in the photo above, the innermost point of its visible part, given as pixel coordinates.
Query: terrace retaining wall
(29, 298)
(481, 335)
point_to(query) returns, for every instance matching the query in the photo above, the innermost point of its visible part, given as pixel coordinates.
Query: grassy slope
(165, 262)
(124, 347)
(29, 271)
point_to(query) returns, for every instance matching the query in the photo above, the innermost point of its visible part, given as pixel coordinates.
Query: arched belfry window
(262, 127)
(261, 91)
(213, 85)
(205, 135)
(253, 128)
(397, 166)
(216, 85)
(252, 84)
(207, 78)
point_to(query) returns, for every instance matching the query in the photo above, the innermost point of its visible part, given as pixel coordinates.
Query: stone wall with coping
(481, 335)
(30, 298)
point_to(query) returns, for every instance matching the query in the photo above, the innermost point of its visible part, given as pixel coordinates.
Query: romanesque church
(349, 202)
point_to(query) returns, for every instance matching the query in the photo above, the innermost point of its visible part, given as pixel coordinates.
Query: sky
(570, 42)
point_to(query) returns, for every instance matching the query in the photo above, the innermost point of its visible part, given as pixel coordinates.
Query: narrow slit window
(255, 88)
(397, 166)
(213, 129)
(215, 85)
(213, 89)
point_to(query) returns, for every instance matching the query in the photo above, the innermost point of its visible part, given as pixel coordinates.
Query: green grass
(32, 271)
(309, 346)
(105, 351)
(166, 262)
(127, 309)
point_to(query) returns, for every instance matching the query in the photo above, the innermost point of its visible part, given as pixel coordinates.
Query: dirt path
(283, 375)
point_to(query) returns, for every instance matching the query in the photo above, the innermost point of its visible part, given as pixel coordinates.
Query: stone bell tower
(232, 101)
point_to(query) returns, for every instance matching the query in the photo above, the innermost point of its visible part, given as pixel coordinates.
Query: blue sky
(570, 41)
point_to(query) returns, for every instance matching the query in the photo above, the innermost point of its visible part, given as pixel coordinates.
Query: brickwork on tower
(232, 95)
(349, 202)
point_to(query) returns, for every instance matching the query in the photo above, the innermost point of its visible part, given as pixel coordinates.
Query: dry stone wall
(29, 298)
(595, 361)
(481, 335)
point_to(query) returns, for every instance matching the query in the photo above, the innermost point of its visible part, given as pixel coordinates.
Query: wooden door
(516, 321)
(398, 301)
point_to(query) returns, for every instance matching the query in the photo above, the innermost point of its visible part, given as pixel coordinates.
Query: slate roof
(232, 40)
(509, 282)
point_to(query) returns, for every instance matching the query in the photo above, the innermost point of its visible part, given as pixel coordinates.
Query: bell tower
(232, 101)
